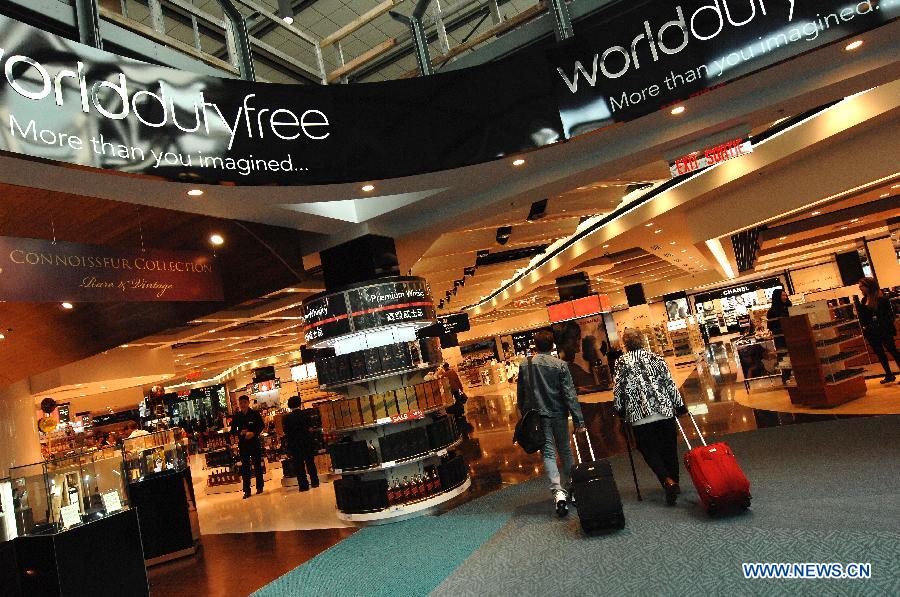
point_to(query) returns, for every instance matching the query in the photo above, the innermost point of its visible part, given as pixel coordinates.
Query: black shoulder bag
(529, 433)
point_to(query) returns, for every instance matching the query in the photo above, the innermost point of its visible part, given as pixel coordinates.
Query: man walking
(545, 384)
(300, 445)
(247, 424)
(456, 388)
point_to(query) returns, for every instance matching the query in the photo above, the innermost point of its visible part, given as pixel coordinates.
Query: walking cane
(626, 430)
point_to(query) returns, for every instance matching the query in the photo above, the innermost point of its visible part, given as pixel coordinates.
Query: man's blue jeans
(556, 441)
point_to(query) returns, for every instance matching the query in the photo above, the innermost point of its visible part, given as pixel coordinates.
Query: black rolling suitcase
(596, 495)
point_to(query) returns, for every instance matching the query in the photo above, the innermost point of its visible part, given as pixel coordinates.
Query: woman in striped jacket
(647, 398)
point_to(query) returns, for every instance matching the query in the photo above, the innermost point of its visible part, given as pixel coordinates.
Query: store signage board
(455, 323)
(67, 102)
(70, 515)
(710, 156)
(398, 301)
(35, 270)
(112, 502)
(410, 416)
(653, 54)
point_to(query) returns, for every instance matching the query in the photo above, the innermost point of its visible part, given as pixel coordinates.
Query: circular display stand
(377, 361)
(405, 511)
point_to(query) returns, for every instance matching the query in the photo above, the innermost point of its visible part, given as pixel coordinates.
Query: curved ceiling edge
(66, 102)
(853, 115)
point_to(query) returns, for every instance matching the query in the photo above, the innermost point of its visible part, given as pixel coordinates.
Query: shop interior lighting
(678, 110)
(719, 253)
(854, 45)
(649, 224)
(217, 240)
(657, 231)
(195, 192)
(2, 336)
(68, 306)
(286, 11)
(885, 195)
(518, 162)
(815, 213)
(368, 188)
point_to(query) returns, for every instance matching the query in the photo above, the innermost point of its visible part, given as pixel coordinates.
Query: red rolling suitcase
(716, 474)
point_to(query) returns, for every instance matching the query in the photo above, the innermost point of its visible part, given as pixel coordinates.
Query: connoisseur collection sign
(63, 101)
(36, 270)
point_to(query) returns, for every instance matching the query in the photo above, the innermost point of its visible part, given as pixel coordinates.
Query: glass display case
(154, 454)
(58, 494)
(7, 518)
(158, 475)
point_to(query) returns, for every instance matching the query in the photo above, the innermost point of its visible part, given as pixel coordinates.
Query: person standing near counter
(300, 445)
(247, 424)
(877, 319)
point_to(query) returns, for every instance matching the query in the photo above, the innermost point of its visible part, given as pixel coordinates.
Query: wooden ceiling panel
(256, 259)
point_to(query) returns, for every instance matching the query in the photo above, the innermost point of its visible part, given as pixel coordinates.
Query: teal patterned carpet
(823, 492)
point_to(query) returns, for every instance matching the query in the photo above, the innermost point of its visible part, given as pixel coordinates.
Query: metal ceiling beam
(239, 38)
(419, 38)
(88, 18)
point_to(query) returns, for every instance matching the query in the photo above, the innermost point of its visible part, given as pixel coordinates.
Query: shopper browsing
(551, 392)
(300, 445)
(456, 388)
(646, 397)
(781, 304)
(877, 319)
(247, 424)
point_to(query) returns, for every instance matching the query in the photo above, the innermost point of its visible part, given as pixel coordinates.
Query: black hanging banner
(67, 102)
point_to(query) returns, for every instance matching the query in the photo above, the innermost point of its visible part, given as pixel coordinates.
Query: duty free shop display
(369, 409)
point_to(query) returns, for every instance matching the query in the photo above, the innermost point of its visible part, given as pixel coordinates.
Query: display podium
(392, 441)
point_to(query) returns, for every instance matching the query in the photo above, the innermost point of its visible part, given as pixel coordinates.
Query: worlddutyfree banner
(70, 103)
(34, 270)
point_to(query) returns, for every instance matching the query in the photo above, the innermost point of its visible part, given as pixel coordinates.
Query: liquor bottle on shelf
(407, 490)
(391, 493)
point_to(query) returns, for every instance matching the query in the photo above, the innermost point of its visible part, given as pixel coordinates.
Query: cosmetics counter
(391, 440)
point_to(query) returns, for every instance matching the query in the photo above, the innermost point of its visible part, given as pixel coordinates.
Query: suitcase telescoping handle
(590, 447)
(684, 435)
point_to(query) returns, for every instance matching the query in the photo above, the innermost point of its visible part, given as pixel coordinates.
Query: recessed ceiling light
(843, 227)
(649, 224)
(217, 239)
(885, 195)
(854, 220)
(896, 186)
(288, 20)
(195, 192)
(657, 231)
(2, 336)
(815, 213)
(67, 305)
(853, 45)
(368, 188)
(779, 244)
(605, 246)
(518, 162)
(678, 110)
(672, 243)
(782, 238)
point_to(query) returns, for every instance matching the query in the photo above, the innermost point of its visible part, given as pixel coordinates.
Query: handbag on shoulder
(529, 432)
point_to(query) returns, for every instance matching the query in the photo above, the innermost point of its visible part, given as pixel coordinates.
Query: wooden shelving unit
(825, 347)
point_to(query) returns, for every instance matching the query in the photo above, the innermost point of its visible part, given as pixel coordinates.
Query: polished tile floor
(248, 543)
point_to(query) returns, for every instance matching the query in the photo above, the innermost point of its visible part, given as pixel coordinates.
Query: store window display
(579, 343)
